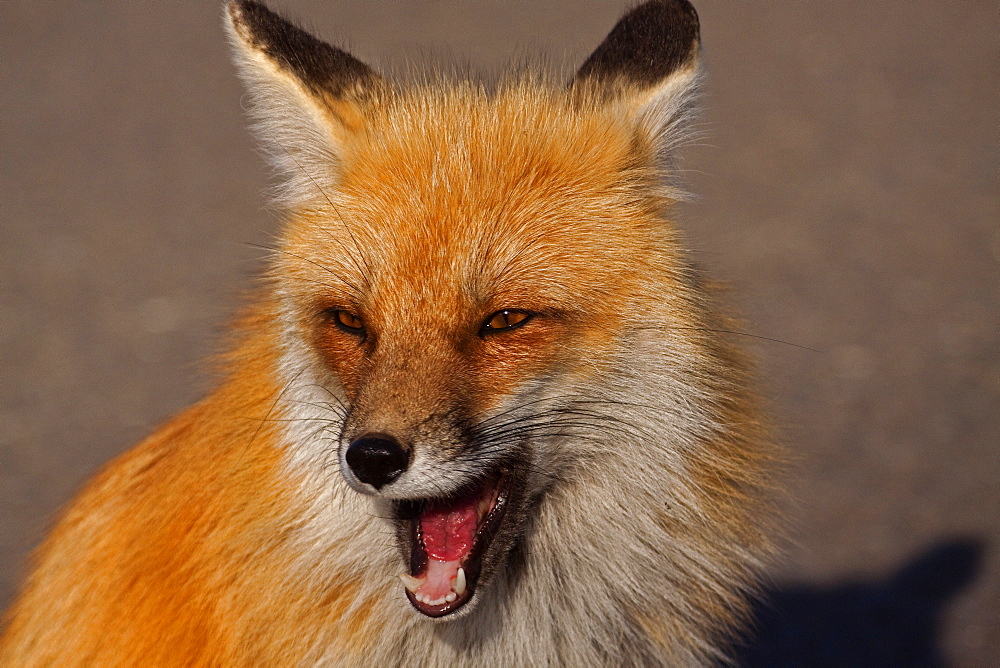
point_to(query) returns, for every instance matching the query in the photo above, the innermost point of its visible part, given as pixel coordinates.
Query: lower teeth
(458, 586)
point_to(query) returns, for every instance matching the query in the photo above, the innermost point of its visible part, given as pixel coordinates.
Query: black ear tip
(242, 10)
(319, 66)
(249, 18)
(256, 16)
(247, 6)
(647, 44)
(677, 12)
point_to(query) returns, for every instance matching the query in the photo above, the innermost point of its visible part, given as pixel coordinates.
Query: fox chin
(481, 410)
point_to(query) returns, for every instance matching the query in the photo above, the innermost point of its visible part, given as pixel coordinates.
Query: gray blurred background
(847, 190)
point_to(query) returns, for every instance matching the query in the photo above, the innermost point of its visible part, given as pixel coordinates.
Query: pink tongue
(449, 530)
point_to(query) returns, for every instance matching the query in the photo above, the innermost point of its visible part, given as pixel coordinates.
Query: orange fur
(155, 534)
(229, 537)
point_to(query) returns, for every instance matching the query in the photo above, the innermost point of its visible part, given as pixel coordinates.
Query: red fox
(480, 412)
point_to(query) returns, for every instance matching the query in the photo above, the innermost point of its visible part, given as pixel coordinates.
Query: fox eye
(506, 319)
(348, 322)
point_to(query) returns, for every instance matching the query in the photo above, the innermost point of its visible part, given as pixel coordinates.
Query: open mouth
(448, 539)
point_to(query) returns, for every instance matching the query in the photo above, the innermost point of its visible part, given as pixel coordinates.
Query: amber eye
(348, 322)
(505, 320)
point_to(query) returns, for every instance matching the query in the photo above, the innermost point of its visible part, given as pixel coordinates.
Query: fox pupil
(347, 321)
(506, 319)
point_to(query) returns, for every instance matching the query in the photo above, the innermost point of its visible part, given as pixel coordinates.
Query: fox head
(484, 288)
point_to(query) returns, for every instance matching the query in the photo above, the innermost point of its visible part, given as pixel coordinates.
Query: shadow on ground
(889, 623)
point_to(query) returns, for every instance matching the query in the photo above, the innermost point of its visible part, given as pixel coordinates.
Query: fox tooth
(411, 583)
(458, 584)
(450, 597)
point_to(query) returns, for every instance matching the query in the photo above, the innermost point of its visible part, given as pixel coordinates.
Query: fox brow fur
(306, 156)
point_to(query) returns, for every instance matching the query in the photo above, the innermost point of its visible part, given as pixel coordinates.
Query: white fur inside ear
(294, 126)
(666, 115)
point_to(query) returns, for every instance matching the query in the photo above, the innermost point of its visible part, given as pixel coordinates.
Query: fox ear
(308, 97)
(649, 63)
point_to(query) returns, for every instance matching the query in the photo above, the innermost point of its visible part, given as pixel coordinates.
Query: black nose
(377, 459)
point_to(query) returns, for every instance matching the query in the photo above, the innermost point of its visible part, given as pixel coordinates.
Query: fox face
(462, 268)
(460, 303)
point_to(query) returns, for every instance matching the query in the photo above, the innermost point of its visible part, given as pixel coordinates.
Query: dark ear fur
(324, 69)
(647, 45)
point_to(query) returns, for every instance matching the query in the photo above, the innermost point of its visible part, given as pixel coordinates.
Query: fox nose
(377, 459)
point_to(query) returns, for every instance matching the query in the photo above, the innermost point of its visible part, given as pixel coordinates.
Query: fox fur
(637, 464)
